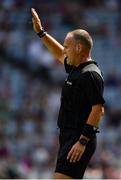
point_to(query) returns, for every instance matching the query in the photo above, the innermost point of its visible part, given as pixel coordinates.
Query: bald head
(83, 37)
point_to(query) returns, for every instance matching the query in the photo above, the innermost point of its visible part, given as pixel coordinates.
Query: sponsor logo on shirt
(68, 82)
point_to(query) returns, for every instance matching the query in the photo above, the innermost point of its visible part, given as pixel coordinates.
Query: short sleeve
(93, 87)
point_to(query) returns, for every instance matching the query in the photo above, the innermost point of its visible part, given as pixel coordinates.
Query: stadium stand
(31, 79)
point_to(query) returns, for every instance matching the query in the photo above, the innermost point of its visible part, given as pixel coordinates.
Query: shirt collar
(81, 66)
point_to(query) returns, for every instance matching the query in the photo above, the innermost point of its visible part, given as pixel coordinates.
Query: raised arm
(53, 46)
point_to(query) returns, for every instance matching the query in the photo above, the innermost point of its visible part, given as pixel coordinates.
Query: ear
(79, 48)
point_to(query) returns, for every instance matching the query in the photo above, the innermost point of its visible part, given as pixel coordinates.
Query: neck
(82, 60)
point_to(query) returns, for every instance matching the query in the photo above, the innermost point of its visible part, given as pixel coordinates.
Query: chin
(69, 61)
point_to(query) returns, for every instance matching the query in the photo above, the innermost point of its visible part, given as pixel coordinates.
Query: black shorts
(75, 170)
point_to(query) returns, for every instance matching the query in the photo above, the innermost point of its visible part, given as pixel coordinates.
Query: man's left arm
(94, 118)
(93, 122)
(96, 115)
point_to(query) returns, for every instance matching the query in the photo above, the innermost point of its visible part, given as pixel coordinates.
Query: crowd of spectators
(31, 80)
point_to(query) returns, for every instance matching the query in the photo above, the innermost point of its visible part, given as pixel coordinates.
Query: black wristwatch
(83, 141)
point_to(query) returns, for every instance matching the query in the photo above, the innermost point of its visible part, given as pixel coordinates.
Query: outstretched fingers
(36, 21)
(34, 14)
(73, 155)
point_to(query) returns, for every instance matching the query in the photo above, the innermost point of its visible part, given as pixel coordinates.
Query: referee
(81, 100)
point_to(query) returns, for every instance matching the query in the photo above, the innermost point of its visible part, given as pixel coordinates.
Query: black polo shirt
(80, 92)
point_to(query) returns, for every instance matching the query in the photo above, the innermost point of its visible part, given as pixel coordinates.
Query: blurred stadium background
(31, 80)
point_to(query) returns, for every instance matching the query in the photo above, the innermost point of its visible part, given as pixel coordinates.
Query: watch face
(83, 141)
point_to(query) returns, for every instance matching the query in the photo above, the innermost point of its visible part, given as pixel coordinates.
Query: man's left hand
(76, 152)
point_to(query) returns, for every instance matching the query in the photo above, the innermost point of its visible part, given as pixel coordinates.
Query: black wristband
(42, 33)
(90, 131)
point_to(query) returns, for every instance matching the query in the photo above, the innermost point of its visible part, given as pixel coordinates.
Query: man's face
(69, 48)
